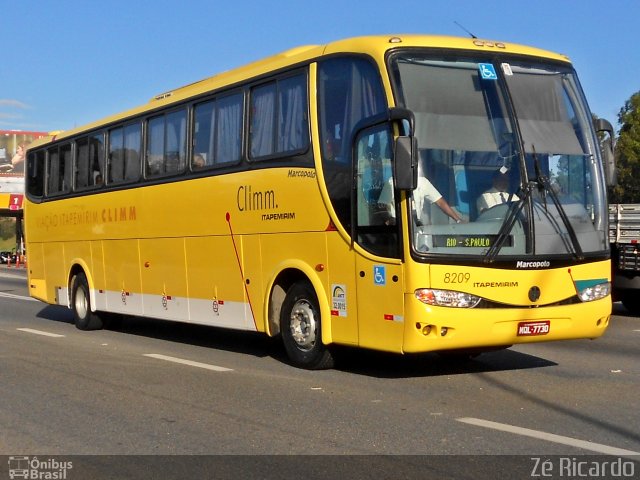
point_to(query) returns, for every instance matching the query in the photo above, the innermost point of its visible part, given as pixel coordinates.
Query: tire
(83, 317)
(300, 326)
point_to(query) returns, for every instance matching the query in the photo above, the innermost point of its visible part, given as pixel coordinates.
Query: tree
(7, 228)
(628, 153)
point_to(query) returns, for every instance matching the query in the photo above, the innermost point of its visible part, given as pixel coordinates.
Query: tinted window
(96, 159)
(203, 135)
(293, 124)
(349, 90)
(60, 170)
(82, 163)
(124, 154)
(279, 118)
(36, 173)
(132, 148)
(89, 161)
(263, 109)
(229, 129)
(167, 144)
(218, 132)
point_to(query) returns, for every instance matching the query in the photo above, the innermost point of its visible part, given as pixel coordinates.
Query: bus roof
(374, 45)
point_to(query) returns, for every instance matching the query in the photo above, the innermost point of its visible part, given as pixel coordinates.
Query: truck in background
(624, 230)
(624, 237)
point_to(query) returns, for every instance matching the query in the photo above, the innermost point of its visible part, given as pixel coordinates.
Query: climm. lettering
(249, 200)
(119, 214)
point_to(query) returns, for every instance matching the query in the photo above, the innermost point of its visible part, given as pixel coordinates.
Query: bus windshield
(508, 146)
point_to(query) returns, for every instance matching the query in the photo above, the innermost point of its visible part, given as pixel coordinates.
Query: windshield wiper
(545, 186)
(525, 192)
(515, 208)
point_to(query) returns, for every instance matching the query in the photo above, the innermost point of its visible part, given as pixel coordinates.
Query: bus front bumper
(429, 328)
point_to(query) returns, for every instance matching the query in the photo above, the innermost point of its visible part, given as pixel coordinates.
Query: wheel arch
(287, 275)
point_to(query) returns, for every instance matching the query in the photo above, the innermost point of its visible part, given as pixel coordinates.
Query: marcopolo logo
(37, 469)
(539, 264)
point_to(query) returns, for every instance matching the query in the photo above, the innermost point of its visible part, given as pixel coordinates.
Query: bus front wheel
(300, 327)
(83, 317)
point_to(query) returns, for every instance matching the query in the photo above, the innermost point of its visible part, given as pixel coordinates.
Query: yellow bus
(338, 195)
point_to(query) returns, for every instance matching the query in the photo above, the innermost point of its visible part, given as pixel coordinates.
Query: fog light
(443, 331)
(426, 330)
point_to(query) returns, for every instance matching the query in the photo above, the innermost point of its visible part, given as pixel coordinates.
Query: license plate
(529, 329)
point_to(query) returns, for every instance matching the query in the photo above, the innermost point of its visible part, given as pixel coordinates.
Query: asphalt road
(162, 388)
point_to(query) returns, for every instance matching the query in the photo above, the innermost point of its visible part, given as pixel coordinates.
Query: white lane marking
(188, 362)
(40, 332)
(17, 297)
(11, 275)
(550, 437)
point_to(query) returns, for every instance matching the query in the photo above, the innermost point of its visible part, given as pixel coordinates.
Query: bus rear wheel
(83, 317)
(300, 327)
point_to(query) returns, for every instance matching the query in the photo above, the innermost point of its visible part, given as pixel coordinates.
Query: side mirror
(405, 166)
(602, 126)
(405, 163)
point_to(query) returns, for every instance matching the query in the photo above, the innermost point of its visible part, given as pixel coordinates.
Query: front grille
(491, 304)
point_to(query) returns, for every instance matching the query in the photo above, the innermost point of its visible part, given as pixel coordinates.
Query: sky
(66, 63)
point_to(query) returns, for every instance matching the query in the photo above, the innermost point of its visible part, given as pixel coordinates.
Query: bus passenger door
(380, 301)
(379, 273)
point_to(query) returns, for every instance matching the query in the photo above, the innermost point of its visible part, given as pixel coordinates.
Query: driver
(425, 192)
(497, 194)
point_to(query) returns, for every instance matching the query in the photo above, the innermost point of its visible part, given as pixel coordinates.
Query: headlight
(446, 298)
(588, 292)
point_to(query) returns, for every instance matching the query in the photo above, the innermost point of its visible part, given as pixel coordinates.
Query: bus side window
(349, 89)
(115, 166)
(279, 117)
(203, 135)
(66, 158)
(229, 129)
(36, 178)
(96, 158)
(82, 168)
(263, 110)
(293, 121)
(60, 170)
(166, 144)
(132, 145)
(176, 142)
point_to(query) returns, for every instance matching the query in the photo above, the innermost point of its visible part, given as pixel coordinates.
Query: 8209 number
(456, 277)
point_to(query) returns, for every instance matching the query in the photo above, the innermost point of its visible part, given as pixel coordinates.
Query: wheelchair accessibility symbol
(379, 275)
(487, 71)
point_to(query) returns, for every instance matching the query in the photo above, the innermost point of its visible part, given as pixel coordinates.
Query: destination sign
(469, 241)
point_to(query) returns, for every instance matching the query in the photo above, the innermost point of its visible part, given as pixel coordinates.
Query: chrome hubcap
(303, 325)
(81, 303)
